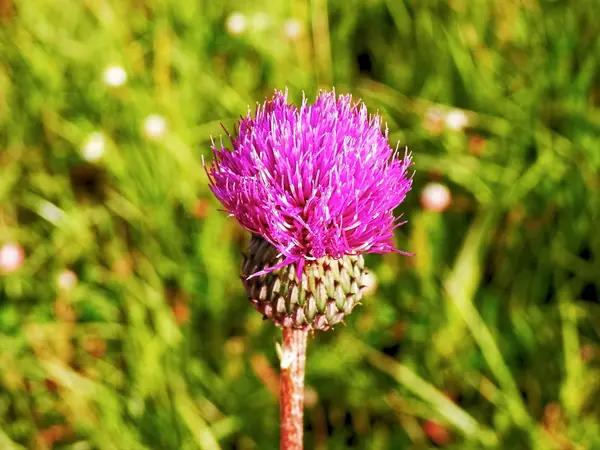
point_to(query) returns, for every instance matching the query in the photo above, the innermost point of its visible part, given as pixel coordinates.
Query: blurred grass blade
(195, 423)
(460, 287)
(7, 444)
(455, 415)
(572, 395)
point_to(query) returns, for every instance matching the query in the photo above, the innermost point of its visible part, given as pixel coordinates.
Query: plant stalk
(293, 360)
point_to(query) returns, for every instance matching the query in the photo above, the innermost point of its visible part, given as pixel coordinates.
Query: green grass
(492, 331)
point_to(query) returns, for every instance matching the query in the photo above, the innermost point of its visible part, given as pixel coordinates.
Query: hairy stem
(293, 361)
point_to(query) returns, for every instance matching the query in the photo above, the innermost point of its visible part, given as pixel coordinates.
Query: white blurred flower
(456, 120)
(50, 212)
(292, 28)
(155, 126)
(94, 147)
(236, 23)
(12, 257)
(66, 280)
(369, 281)
(260, 21)
(436, 197)
(115, 76)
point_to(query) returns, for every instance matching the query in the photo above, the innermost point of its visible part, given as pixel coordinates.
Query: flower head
(314, 181)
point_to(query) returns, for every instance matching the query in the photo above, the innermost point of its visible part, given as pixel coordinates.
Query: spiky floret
(314, 181)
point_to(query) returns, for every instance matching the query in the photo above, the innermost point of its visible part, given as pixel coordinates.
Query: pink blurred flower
(434, 120)
(12, 257)
(436, 197)
(67, 280)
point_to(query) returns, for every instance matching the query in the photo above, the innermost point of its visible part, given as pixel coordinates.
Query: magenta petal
(285, 262)
(315, 180)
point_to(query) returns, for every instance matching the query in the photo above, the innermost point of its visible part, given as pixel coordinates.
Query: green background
(489, 338)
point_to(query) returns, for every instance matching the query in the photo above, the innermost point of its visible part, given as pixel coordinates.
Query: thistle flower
(317, 186)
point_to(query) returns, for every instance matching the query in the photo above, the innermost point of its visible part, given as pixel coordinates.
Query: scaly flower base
(329, 289)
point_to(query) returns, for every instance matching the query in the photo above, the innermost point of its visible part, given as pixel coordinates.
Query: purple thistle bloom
(314, 181)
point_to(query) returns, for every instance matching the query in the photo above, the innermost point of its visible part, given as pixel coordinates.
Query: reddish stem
(293, 361)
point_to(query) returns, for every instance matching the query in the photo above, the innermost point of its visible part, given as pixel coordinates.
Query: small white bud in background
(236, 23)
(436, 197)
(94, 146)
(292, 28)
(155, 127)
(66, 280)
(115, 76)
(12, 257)
(456, 120)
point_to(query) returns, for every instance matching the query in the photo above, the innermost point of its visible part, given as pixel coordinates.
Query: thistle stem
(293, 361)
